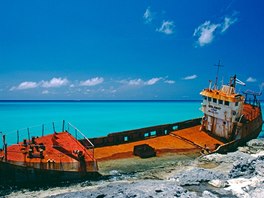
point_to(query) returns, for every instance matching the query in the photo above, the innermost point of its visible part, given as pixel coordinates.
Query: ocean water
(93, 118)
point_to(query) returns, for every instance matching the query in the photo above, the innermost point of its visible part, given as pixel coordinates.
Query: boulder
(196, 175)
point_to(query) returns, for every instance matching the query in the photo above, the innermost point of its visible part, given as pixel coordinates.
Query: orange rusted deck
(48, 159)
(200, 138)
(59, 147)
(174, 142)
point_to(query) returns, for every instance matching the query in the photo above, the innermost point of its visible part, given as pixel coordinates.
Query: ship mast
(216, 78)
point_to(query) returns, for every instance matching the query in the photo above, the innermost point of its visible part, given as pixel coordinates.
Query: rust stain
(251, 112)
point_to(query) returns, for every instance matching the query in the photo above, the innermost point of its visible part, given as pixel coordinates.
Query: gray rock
(242, 187)
(244, 149)
(219, 183)
(144, 188)
(256, 143)
(259, 169)
(257, 193)
(196, 175)
(247, 167)
(227, 158)
(207, 194)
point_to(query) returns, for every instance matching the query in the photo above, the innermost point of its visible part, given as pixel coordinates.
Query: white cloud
(167, 27)
(152, 81)
(135, 82)
(55, 82)
(25, 85)
(148, 15)
(190, 77)
(45, 92)
(113, 91)
(205, 32)
(92, 82)
(228, 21)
(250, 79)
(169, 81)
(140, 82)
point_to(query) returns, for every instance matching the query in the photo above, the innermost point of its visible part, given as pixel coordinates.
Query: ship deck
(58, 148)
(187, 140)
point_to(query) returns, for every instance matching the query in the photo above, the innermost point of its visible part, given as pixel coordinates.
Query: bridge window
(236, 104)
(220, 101)
(214, 100)
(205, 98)
(209, 99)
(227, 103)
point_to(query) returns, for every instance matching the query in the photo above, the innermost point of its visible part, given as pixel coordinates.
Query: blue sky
(127, 49)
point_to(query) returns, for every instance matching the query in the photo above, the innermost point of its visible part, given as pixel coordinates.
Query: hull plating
(19, 175)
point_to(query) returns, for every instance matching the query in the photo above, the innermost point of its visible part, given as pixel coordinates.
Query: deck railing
(74, 131)
(26, 134)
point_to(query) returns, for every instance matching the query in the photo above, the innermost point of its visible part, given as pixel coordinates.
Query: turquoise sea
(93, 118)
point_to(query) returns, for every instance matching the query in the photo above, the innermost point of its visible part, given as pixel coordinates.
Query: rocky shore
(236, 174)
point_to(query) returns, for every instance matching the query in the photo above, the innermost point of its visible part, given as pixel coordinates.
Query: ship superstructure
(227, 114)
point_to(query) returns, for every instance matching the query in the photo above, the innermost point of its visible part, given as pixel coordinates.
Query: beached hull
(57, 157)
(249, 135)
(27, 176)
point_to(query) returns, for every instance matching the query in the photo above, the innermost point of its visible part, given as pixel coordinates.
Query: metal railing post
(42, 130)
(28, 134)
(53, 127)
(2, 139)
(17, 136)
(5, 146)
(63, 123)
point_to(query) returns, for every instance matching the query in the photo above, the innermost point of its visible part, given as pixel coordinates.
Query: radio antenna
(216, 78)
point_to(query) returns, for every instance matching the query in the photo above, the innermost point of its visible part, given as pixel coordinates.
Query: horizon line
(80, 100)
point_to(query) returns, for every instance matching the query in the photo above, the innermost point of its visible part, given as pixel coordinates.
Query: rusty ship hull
(12, 174)
(251, 131)
(57, 157)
